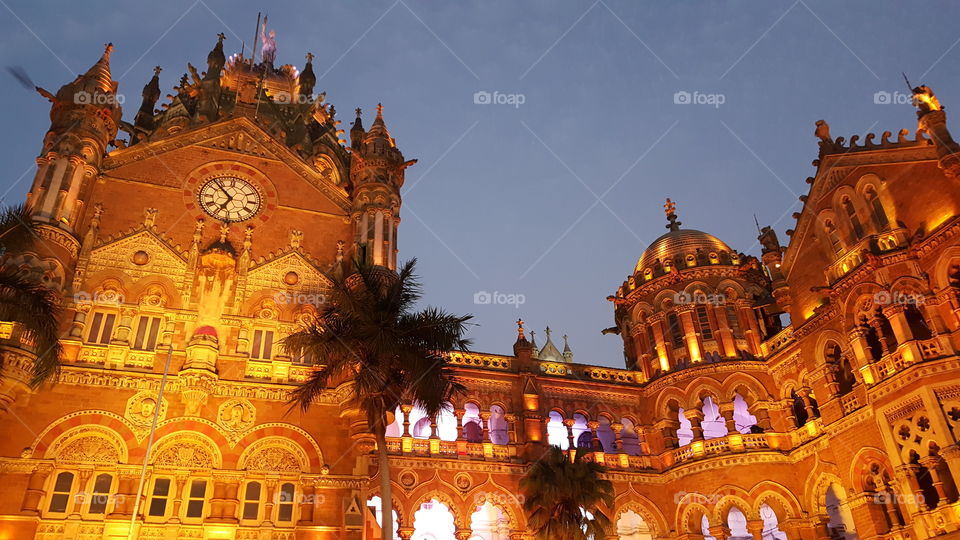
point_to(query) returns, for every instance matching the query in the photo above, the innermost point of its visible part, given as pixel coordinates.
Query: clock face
(229, 199)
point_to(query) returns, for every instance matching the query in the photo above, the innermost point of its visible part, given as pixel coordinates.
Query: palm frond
(37, 309)
(18, 231)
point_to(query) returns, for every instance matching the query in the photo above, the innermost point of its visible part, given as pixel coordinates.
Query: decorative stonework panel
(236, 416)
(140, 410)
(187, 452)
(274, 454)
(88, 444)
(118, 255)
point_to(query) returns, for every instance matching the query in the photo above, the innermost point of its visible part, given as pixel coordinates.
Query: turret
(376, 174)
(307, 80)
(151, 93)
(83, 121)
(772, 257)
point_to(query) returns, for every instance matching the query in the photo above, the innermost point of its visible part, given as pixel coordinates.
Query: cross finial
(221, 37)
(379, 109)
(157, 70)
(359, 112)
(519, 329)
(548, 333)
(309, 57)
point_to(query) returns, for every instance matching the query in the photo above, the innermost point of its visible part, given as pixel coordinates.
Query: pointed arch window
(833, 237)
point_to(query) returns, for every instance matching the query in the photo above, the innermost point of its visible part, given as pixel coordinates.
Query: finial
(533, 338)
(309, 57)
(359, 112)
(221, 37)
(520, 329)
(107, 49)
(670, 208)
(380, 110)
(548, 333)
(224, 231)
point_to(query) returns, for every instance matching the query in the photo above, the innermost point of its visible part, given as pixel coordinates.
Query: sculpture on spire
(269, 40)
(925, 100)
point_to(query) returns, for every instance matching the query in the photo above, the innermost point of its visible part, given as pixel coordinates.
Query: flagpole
(153, 431)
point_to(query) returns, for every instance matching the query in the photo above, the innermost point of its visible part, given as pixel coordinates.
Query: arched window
(877, 211)
(101, 494)
(799, 411)
(856, 228)
(472, 424)
(918, 326)
(251, 501)
(196, 498)
(630, 438)
(498, 425)
(685, 431)
(713, 424)
(62, 488)
(703, 323)
(651, 340)
(833, 237)
(676, 332)
(285, 504)
(159, 498)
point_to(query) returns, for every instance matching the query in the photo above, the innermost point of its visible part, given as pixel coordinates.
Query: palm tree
(24, 300)
(368, 333)
(563, 498)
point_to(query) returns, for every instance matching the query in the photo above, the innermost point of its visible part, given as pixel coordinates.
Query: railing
(734, 442)
(779, 341)
(850, 401)
(450, 449)
(485, 361)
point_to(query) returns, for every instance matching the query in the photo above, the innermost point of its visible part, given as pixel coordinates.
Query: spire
(216, 59)
(567, 353)
(99, 73)
(307, 78)
(670, 208)
(521, 347)
(549, 352)
(379, 128)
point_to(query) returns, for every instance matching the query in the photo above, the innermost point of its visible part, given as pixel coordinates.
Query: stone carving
(236, 416)
(186, 454)
(140, 411)
(274, 454)
(87, 449)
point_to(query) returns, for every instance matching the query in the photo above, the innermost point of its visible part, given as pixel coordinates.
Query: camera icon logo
(682, 97)
(482, 97)
(482, 298)
(882, 97)
(82, 98)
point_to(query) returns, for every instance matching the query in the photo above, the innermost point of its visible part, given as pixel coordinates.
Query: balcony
(732, 443)
(410, 446)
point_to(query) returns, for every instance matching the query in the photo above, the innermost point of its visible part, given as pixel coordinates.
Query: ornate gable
(126, 255)
(275, 274)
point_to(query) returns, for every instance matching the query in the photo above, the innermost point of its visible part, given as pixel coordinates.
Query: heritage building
(194, 245)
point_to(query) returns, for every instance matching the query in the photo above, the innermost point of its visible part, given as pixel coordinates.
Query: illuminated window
(651, 340)
(703, 323)
(161, 494)
(262, 347)
(147, 330)
(61, 492)
(101, 328)
(285, 506)
(251, 501)
(101, 494)
(196, 497)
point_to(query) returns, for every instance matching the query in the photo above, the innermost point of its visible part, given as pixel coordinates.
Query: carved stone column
(121, 335)
(897, 315)
(180, 481)
(617, 428)
(726, 411)
(569, 422)
(485, 417)
(594, 438)
(720, 532)
(307, 497)
(405, 533)
(79, 320)
(81, 496)
(459, 413)
(755, 527)
(405, 409)
(35, 492)
(271, 485)
(804, 394)
(695, 417)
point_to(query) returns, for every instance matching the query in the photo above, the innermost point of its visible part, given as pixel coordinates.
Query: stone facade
(186, 252)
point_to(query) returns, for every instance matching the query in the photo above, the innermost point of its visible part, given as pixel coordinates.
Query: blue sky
(554, 199)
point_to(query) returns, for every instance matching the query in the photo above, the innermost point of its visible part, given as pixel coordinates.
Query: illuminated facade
(196, 244)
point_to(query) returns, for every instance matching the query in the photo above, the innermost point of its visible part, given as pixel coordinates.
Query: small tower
(772, 257)
(376, 173)
(83, 120)
(932, 119)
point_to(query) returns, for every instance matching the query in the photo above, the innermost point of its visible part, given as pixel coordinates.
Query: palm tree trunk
(386, 491)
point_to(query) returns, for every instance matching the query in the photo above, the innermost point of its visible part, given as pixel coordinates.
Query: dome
(681, 242)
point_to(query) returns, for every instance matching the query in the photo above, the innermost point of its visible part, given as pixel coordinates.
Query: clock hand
(223, 189)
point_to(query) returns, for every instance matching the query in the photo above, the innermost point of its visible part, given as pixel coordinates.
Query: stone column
(755, 527)
(858, 344)
(79, 320)
(641, 347)
(897, 315)
(595, 439)
(617, 428)
(951, 454)
(405, 409)
(81, 496)
(663, 353)
(725, 337)
(877, 324)
(270, 500)
(459, 413)
(763, 419)
(35, 492)
(752, 331)
(720, 532)
(121, 334)
(485, 417)
(179, 482)
(804, 394)
(931, 463)
(907, 476)
(569, 422)
(685, 313)
(726, 411)
(695, 417)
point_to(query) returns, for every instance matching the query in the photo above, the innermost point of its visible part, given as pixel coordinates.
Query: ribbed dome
(681, 242)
